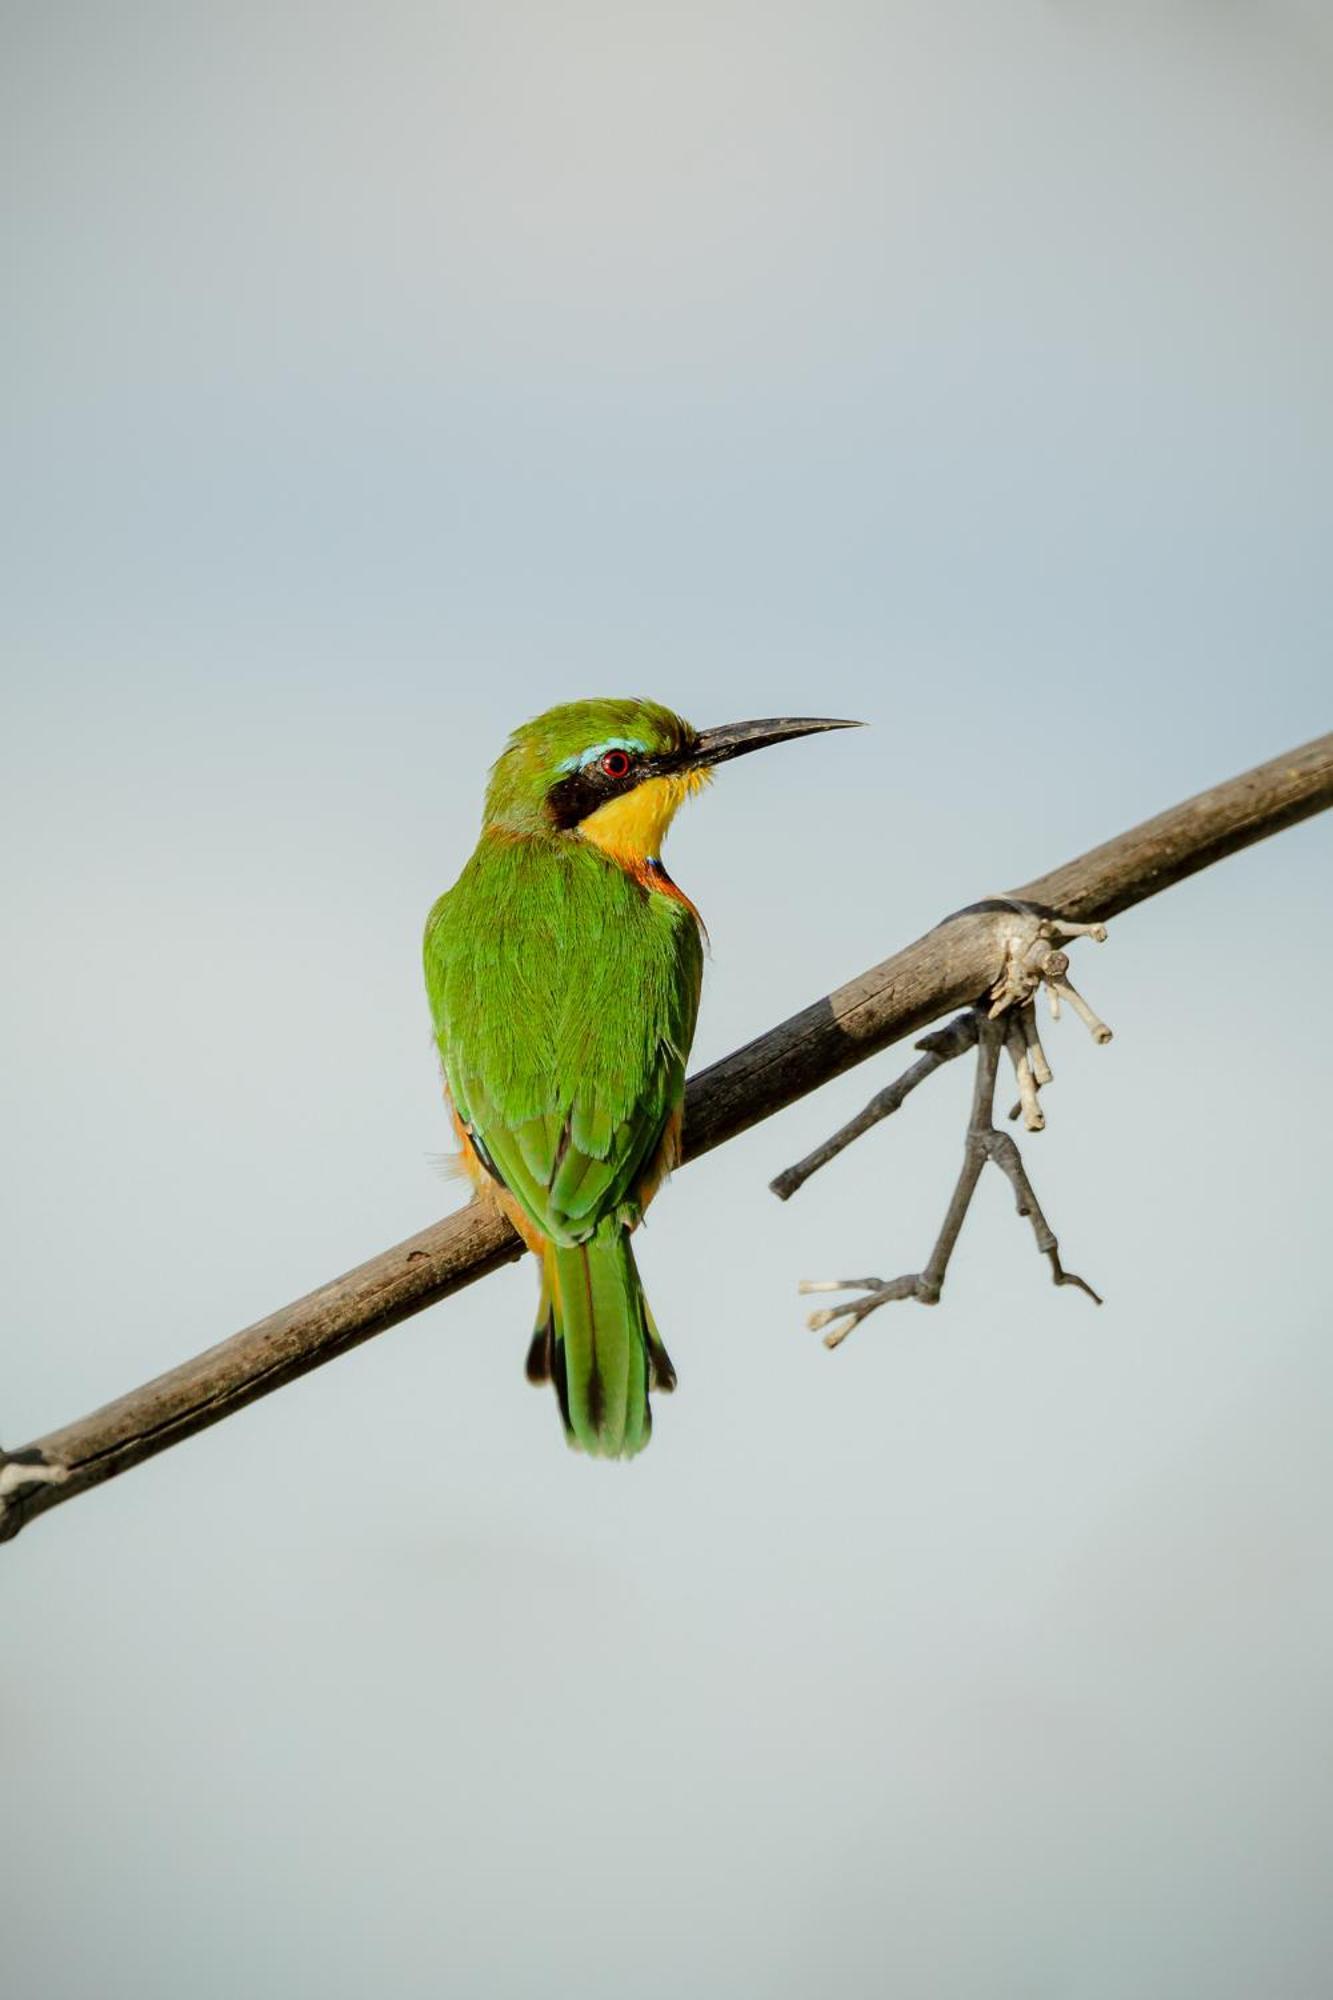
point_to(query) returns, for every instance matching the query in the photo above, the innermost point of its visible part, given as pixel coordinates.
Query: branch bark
(951, 966)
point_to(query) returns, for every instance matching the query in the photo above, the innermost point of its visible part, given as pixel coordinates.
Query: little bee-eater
(563, 970)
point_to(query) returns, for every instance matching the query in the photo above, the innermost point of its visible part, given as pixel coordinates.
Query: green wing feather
(564, 995)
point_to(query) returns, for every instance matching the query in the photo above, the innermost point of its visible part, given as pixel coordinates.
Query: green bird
(563, 970)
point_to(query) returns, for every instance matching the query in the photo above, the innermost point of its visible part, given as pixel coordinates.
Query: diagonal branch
(951, 967)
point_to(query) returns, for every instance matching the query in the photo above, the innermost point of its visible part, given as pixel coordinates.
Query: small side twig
(1005, 1021)
(982, 1143)
(1025, 1049)
(941, 1046)
(1061, 989)
(1020, 1054)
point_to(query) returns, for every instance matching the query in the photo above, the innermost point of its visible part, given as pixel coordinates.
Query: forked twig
(1005, 1021)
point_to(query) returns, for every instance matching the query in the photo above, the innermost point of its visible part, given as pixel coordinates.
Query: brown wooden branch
(948, 968)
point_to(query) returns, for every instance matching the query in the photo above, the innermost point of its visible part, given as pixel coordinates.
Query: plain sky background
(375, 376)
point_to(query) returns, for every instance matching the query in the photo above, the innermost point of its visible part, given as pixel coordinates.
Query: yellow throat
(631, 829)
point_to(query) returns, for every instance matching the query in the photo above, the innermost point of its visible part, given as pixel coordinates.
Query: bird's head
(615, 772)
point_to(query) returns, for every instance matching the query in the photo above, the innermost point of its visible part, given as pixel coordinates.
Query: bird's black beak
(737, 739)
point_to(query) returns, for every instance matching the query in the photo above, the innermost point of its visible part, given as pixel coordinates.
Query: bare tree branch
(948, 968)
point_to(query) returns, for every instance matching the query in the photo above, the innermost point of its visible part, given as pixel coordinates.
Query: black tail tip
(664, 1375)
(537, 1367)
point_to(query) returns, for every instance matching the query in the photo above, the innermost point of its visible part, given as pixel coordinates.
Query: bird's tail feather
(596, 1340)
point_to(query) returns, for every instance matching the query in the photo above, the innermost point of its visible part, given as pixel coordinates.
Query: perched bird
(563, 970)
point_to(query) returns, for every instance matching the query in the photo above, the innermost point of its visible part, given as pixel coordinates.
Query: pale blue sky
(375, 377)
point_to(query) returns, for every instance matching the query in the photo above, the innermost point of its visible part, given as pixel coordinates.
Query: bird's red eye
(615, 763)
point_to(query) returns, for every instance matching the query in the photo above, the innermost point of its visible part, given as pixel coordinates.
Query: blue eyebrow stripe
(586, 757)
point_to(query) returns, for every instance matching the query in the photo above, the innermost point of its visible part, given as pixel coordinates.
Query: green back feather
(564, 996)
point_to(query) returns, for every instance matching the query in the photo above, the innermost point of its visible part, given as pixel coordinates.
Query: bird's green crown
(558, 769)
